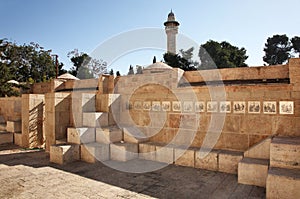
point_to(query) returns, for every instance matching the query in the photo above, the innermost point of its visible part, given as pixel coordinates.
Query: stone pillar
(32, 120)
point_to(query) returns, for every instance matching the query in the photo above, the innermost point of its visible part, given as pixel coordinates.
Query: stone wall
(10, 108)
(251, 117)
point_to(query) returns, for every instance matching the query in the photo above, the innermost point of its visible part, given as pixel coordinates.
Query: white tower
(171, 27)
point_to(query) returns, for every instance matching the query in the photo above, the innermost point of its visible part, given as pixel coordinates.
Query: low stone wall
(10, 108)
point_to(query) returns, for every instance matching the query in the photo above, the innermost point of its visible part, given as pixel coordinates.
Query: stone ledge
(123, 151)
(229, 160)
(62, 154)
(94, 152)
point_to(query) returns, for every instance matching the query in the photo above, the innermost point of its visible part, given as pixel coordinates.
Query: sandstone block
(123, 151)
(62, 154)
(94, 152)
(165, 154)
(13, 126)
(95, 119)
(260, 150)
(6, 137)
(18, 138)
(2, 126)
(109, 135)
(134, 135)
(283, 183)
(285, 152)
(147, 151)
(209, 162)
(81, 135)
(228, 161)
(184, 157)
(253, 171)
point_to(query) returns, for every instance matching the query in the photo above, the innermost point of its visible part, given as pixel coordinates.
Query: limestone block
(95, 119)
(253, 171)
(123, 151)
(283, 183)
(94, 152)
(184, 157)
(2, 126)
(2, 120)
(147, 151)
(260, 150)
(61, 154)
(209, 162)
(61, 141)
(13, 126)
(134, 135)
(81, 135)
(18, 138)
(109, 135)
(6, 137)
(285, 153)
(165, 154)
(228, 161)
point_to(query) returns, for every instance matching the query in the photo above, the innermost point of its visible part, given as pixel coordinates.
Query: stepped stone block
(229, 160)
(209, 162)
(81, 135)
(165, 154)
(260, 150)
(2, 126)
(6, 137)
(62, 154)
(123, 151)
(18, 138)
(285, 153)
(184, 157)
(109, 135)
(134, 135)
(95, 119)
(147, 151)
(61, 141)
(253, 171)
(94, 152)
(13, 126)
(283, 183)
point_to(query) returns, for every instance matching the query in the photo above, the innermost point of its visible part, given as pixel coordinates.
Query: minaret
(171, 27)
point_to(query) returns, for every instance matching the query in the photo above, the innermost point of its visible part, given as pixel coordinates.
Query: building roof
(158, 66)
(67, 76)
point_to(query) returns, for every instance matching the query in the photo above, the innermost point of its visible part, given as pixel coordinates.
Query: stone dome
(157, 68)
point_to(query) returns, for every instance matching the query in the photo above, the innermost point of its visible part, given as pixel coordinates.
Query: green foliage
(154, 60)
(221, 55)
(277, 49)
(23, 63)
(182, 60)
(296, 44)
(118, 73)
(111, 72)
(131, 71)
(139, 70)
(88, 66)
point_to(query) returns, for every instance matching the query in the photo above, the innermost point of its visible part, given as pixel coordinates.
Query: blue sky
(63, 25)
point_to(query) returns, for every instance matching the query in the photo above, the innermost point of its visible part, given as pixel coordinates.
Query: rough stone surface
(147, 151)
(81, 135)
(109, 135)
(18, 139)
(123, 151)
(261, 150)
(253, 171)
(6, 137)
(93, 152)
(209, 162)
(134, 135)
(184, 157)
(62, 154)
(13, 126)
(228, 161)
(95, 119)
(165, 154)
(283, 183)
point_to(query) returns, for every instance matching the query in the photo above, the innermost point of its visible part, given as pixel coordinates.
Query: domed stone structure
(157, 67)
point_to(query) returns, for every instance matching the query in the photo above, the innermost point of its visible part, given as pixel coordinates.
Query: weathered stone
(209, 161)
(261, 150)
(283, 183)
(184, 157)
(134, 135)
(18, 138)
(81, 135)
(285, 152)
(229, 160)
(13, 126)
(147, 151)
(6, 137)
(109, 135)
(94, 152)
(165, 154)
(253, 171)
(123, 151)
(95, 119)
(62, 154)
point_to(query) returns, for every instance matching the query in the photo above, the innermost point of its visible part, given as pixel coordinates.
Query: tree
(221, 55)
(91, 67)
(182, 60)
(139, 70)
(118, 73)
(111, 72)
(131, 71)
(154, 60)
(296, 44)
(277, 49)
